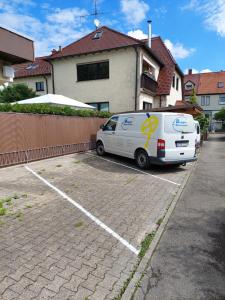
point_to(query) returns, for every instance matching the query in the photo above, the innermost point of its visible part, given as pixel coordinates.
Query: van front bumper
(161, 161)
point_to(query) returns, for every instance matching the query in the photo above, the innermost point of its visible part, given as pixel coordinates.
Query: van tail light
(161, 144)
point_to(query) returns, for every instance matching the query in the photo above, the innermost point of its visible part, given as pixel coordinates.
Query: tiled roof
(166, 72)
(206, 83)
(38, 67)
(110, 39)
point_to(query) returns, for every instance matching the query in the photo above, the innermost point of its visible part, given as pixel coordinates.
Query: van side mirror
(102, 126)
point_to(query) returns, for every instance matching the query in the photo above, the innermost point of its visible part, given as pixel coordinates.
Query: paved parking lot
(74, 224)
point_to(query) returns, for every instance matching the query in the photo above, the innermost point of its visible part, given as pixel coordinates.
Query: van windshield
(179, 124)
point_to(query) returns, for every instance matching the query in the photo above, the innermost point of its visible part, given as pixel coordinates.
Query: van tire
(142, 159)
(100, 149)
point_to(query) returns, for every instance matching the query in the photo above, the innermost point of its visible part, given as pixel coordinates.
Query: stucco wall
(174, 94)
(118, 90)
(3, 79)
(31, 83)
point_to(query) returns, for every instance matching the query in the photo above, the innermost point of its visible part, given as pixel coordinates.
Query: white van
(149, 137)
(198, 134)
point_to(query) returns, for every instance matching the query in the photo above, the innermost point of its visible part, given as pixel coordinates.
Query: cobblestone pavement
(49, 249)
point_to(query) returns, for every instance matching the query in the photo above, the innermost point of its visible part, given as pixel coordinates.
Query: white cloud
(60, 27)
(178, 50)
(134, 10)
(213, 12)
(138, 34)
(195, 71)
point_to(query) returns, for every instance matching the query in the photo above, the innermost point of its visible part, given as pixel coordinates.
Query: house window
(173, 83)
(205, 100)
(147, 105)
(220, 84)
(222, 99)
(101, 106)
(177, 84)
(111, 124)
(97, 35)
(93, 71)
(40, 86)
(189, 86)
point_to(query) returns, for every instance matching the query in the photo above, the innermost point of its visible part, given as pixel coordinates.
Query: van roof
(151, 113)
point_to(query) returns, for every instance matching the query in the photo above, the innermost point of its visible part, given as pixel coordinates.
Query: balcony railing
(148, 83)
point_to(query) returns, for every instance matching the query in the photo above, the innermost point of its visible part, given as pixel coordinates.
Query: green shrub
(52, 110)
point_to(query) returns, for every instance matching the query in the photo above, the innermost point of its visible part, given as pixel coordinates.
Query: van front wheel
(142, 159)
(100, 149)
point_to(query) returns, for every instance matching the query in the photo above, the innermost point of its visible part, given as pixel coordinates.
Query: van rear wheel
(100, 149)
(142, 159)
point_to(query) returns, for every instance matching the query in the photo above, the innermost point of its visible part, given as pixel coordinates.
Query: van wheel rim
(142, 160)
(100, 149)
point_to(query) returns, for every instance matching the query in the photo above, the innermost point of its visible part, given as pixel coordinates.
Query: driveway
(73, 225)
(189, 262)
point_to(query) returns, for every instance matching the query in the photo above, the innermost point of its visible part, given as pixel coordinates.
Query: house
(115, 72)
(36, 75)
(209, 89)
(14, 48)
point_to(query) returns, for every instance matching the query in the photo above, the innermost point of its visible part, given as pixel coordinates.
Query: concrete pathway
(189, 262)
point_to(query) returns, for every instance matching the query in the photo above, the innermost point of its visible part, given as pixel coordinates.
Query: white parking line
(87, 213)
(143, 172)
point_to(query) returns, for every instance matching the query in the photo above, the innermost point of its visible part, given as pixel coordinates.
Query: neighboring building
(36, 75)
(209, 89)
(14, 48)
(116, 72)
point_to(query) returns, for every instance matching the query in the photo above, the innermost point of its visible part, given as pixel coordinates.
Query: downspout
(46, 83)
(53, 79)
(136, 81)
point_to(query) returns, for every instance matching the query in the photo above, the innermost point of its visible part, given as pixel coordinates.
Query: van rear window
(179, 124)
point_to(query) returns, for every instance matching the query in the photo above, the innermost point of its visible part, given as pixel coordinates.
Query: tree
(193, 98)
(16, 92)
(220, 115)
(203, 122)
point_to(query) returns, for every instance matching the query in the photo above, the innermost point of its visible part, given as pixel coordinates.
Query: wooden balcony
(148, 84)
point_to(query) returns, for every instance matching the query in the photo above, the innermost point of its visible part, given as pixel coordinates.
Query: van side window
(111, 125)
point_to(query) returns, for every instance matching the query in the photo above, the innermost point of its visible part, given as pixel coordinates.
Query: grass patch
(78, 224)
(24, 196)
(15, 196)
(19, 216)
(3, 211)
(146, 243)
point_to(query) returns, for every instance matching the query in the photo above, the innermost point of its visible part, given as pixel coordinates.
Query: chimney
(189, 71)
(53, 51)
(60, 48)
(149, 33)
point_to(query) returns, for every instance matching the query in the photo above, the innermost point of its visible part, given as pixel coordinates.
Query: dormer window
(98, 35)
(32, 67)
(189, 86)
(220, 84)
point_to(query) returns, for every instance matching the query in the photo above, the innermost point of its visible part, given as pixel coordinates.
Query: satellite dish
(97, 23)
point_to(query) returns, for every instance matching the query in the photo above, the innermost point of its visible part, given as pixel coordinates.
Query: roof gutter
(136, 78)
(53, 77)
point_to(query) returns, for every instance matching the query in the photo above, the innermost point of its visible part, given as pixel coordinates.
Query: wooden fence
(29, 137)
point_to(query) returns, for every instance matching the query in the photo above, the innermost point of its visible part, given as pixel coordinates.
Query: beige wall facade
(2, 78)
(175, 94)
(118, 89)
(31, 83)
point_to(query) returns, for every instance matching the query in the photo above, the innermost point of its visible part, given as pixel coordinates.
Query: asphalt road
(189, 262)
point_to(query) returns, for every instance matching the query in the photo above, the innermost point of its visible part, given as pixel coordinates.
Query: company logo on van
(178, 123)
(127, 122)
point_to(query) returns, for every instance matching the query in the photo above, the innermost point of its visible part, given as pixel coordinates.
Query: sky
(193, 30)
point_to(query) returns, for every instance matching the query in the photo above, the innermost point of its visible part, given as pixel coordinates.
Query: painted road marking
(87, 213)
(143, 172)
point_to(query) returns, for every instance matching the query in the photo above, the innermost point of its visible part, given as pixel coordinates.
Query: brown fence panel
(29, 137)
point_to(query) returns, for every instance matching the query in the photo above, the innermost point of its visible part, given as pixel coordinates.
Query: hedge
(52, 110)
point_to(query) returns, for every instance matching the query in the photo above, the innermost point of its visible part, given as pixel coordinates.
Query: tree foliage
(193, 98)
(220, 115)
(203, 122)
(52, 110)
(16, 92)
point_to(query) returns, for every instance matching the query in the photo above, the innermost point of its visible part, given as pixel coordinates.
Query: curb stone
(131, 288)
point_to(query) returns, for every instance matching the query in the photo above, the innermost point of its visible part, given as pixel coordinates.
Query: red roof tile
(206, 83)
(38, 67)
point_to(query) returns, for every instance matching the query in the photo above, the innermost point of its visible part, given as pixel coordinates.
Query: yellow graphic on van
(148, 127)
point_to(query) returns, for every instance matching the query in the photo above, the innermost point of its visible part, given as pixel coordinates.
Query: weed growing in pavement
(159, 221)
(78, 224)
(58, 166)
(77, 161)
(15, 196)
(146, 243)
(19, 215)
(24, 196)
(3, 210)
(28, 206)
